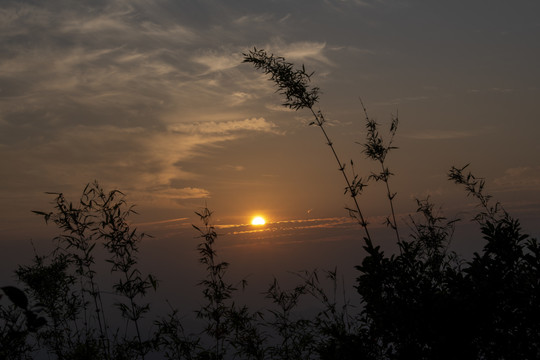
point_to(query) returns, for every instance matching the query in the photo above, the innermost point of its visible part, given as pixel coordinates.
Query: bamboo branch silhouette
(294, 85)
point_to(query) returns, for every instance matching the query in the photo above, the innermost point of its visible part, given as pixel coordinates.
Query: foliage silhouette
(64, 282)
(424, 302)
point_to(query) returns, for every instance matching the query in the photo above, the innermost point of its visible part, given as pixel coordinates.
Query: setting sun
(257, 220)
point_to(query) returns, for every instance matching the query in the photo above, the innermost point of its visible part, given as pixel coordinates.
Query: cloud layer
(152, 97)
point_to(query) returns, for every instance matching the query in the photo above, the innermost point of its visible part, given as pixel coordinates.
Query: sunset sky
(152, 98)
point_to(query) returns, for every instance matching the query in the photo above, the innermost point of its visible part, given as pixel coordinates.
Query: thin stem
(391, 201)
(341, 165)
(294, 85)
(379, 152)
(135, 319)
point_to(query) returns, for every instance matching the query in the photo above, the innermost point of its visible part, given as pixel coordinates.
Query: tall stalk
(375, 149)
(123, 246)
(216, 290)
(294, 84)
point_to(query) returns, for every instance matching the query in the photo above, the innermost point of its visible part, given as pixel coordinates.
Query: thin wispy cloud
(439, 134)
(232, 167)
(297, 231)
(161, 222)
(253, 18)
(218, 62)
(278, 107)
(240, 97)
(519, 179)
(287, 225)
(285, 18)
(306, 50)
(226, 127)
(98, 24)
(187, 193)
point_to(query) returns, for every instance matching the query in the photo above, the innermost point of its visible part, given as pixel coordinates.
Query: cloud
(101, 23)
(186, 193)
(299, 51)
(232, 167)
(277, 107)
(519, 178)
(218, 62)
(20, 19)
(120, 91)
(123, 93)
(240, 97)
(285, 18)
(305, 50)
(285, 225)
(114, 55)
(138, 160)
(226, 127)
(296, 231)
(252, 18)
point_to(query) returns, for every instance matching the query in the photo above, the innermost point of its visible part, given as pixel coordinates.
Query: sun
(258, 220)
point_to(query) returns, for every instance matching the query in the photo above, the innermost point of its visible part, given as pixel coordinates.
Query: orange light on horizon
(258, 220)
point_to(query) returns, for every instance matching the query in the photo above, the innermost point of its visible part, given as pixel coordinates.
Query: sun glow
(258, 220)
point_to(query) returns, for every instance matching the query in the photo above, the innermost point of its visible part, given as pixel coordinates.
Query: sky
(152, 98)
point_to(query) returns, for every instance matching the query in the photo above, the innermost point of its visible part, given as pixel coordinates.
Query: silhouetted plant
(295, 335)
(122, 244)
(408, 298)
(215, 290)
(78, 224)
(337, 331)
(294, 85)
(475, 187)
(17, 322)
(172, 341)
(375, 149)
(51, 286)
(502, 282)
(64, 281)
(425, 302)
(227, 324)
